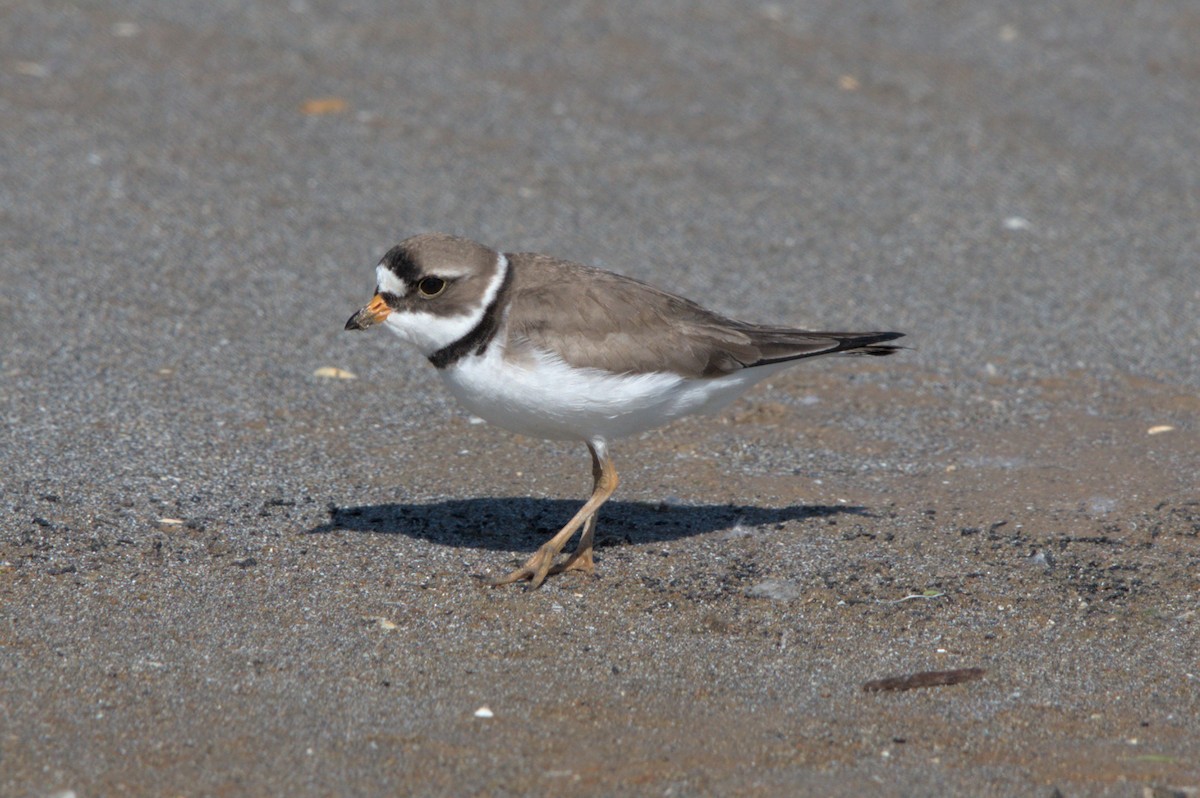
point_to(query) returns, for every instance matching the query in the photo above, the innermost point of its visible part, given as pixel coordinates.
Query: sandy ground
(222, 574)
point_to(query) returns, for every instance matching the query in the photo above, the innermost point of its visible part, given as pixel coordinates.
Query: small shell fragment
(334, 373)
(318, 106)
(32, 69)
(380, 621)
(1159, 429)
(484, 712)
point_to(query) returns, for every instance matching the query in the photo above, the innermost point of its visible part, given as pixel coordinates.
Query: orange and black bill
(376, 311)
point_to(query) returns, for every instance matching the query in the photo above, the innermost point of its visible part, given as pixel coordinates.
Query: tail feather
(779, 346)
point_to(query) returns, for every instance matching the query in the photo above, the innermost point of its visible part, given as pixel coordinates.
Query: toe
(535, 570)
(579, 561)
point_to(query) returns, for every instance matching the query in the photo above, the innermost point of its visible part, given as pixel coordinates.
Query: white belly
(544, 397)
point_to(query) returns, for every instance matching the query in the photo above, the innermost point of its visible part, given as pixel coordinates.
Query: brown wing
(598, 319)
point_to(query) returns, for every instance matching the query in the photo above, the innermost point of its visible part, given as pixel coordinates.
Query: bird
(553, 349)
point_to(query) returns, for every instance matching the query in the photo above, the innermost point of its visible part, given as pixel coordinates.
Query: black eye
(431, 286)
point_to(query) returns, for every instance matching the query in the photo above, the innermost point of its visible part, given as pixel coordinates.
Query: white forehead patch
(388, 283)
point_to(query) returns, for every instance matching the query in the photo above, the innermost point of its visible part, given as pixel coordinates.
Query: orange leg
(537, 567)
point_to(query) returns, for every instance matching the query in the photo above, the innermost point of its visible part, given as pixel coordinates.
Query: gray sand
(221, 574)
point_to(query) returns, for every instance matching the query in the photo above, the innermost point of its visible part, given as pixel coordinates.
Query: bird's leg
(535, 569)
(581, 558)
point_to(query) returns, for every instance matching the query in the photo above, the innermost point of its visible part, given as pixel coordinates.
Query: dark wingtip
(877, 338)
(844, 343)
(872, 344)
(878, 351)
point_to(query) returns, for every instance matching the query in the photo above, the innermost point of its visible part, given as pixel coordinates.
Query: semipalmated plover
(554, 349)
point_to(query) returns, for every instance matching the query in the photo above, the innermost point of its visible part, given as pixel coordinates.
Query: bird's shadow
(505, 524)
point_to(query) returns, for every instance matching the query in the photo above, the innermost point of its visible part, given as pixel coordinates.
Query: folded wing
(597, 319)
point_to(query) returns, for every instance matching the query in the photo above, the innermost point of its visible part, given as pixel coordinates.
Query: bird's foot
(535, 569)
(580, 560)
(541, 565)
